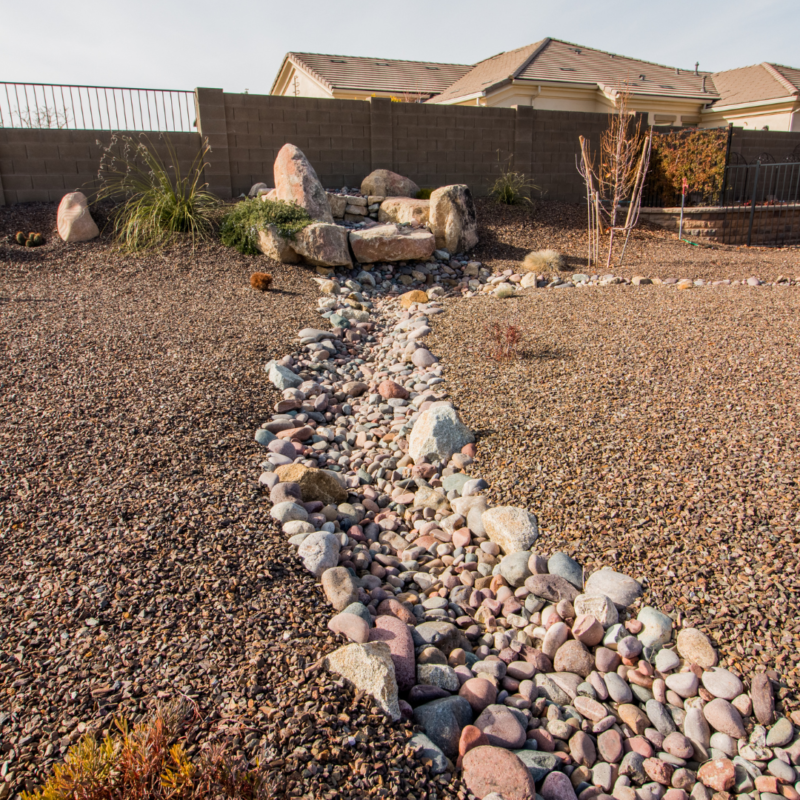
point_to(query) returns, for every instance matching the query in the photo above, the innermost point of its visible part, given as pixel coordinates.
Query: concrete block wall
(333, 134)
(555, 148)
(43, 165)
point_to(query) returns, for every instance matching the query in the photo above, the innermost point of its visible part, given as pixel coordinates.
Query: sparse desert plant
(512, 188)
(148, 763)
(543, 260)
(261, 281)
(504, 341)
(240, 226)
(156, 203)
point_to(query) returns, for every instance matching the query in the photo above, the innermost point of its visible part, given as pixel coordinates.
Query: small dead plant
(543, 260)
(504, 341)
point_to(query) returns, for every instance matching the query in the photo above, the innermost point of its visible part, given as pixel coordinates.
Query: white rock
(319, 551)
(598, 606)
(282, 377)
(74, 222)
(437, 434)
(514, 529)
(620, 588)
(370, 669)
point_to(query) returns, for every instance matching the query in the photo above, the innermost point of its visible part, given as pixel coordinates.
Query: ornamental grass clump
(155, 203)
(240, 226)
(512, 188)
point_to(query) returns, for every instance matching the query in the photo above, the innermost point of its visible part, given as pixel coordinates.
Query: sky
(239, 45)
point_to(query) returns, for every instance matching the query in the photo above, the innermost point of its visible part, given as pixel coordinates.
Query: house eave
(753, 104)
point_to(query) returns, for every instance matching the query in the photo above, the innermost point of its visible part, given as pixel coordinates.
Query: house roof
(758, 82)
(553, 60)
(375, 74)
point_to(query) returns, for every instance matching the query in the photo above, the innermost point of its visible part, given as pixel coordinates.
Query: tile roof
(377, 74)
(759, 82)
(553, 60)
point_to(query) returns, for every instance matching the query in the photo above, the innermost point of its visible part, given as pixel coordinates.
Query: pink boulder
(297, 182)
(396, 634)
(493, 769)
(75, 223)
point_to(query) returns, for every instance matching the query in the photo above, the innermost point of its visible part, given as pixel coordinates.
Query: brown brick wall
(43, 165)
(753, 144)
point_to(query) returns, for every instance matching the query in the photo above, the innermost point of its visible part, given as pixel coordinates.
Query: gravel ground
(509, 232)
(655, 432)
(138, 562)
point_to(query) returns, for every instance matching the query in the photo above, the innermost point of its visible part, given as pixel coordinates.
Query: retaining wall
(772, 225)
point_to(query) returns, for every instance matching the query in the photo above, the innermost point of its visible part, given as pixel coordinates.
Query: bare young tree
(615, 179)
(44, 117)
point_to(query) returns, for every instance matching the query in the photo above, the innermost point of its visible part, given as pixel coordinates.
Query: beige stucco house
(757, 97)
(555, 75)
(359, 78)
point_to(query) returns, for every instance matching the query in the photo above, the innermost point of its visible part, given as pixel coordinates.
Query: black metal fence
(54, 106)
(762, 204)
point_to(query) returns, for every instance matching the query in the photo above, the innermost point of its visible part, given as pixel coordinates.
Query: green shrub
(240, 226)
(512, 188)
(155, 202)
(425, 194)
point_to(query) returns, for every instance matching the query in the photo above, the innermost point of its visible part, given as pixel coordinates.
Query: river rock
(598, 606)
(657, 630)
(763, 699)
(319, 552)
(723, 717)
(339, 587)
(696, 647)
(442, 721)
(722, 683)
(621, 589)
(493, 769)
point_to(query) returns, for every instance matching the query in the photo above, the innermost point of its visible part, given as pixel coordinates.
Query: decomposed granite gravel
(138, 561)
(655, 432)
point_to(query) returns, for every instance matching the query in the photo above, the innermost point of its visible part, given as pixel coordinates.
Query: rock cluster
(525, 674)
(410, 229)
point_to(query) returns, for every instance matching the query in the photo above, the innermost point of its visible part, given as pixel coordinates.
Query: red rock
(471, 737)
(588, 630)
(606, 660)
(389, 389)
(479, 693)
(461, 537)
(351, 626)
(718, 774)
(469, 450)
(397, 635)
(297, 182)
(301, 434)
(543, 739)
(675, 794)
(390, 243)
(763, 699)
(766, 783)
(501, 726)
(582, 749)
(658, 771)
(573, 656)
(609, 745)
(492, 769)
(557, 786)
(395, 608)
(640, 745)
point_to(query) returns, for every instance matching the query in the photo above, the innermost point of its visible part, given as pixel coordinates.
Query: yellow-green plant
(156, 203)
(512, 188)
(147, 763)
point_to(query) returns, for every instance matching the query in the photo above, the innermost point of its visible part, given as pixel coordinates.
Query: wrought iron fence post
(753, 204)
(727, 165)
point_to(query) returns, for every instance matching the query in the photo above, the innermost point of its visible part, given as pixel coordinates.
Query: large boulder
(404, 209)
(275, 246)
(453, 219)
(315, 484)
(391, 243)
(75, 223)
(438, 433)
(385, 183)
(297, 182)
(514, 529)
(323, 245)
(370, 669)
